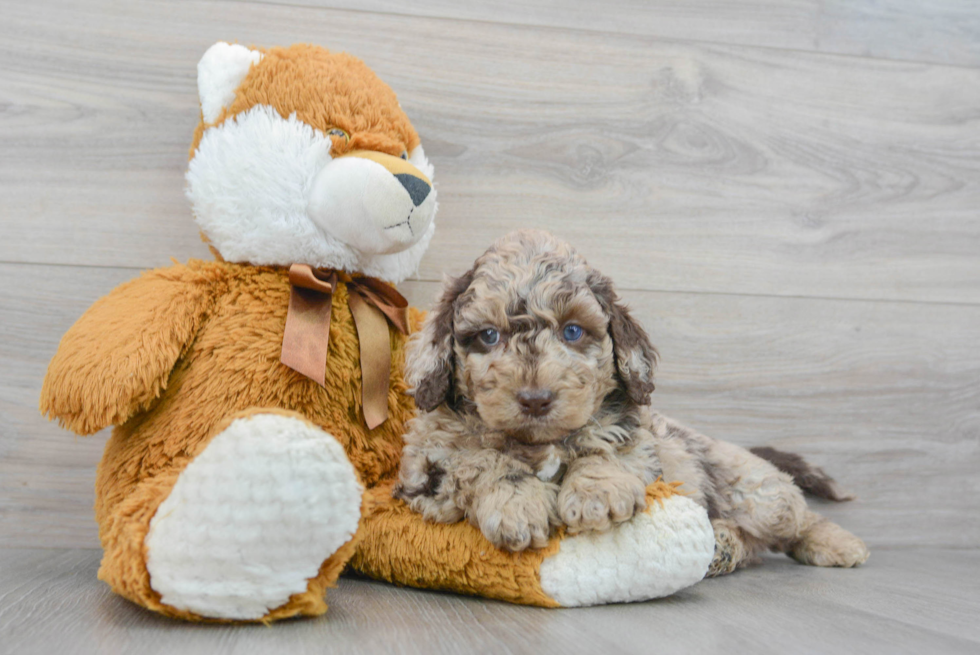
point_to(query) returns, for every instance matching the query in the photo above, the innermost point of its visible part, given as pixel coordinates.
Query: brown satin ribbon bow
(304, 342)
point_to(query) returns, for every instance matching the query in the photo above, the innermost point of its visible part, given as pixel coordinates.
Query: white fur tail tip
(655, 554)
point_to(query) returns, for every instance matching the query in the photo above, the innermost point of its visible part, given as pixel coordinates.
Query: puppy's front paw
(516, 515)
(597, 501)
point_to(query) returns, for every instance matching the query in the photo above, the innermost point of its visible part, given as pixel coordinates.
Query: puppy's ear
(636, 358)
(429, 361)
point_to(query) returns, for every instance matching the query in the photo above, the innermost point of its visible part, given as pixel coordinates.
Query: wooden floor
(904, 601)
(787, 192)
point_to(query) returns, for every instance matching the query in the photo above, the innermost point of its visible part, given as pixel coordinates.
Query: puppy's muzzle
(535, 402)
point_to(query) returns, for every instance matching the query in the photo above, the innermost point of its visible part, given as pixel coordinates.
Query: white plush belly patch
(252, 518)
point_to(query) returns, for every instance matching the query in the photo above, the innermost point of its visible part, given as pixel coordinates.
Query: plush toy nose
(417, 188)
(535, 402)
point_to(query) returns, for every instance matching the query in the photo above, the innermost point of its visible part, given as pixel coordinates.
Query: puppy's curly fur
(533, 383)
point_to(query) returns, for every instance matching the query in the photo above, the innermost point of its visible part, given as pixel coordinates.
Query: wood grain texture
(718, 168)
(910, 601)
(940, 31)
(885, 395)
(47, 475)
(797, 229)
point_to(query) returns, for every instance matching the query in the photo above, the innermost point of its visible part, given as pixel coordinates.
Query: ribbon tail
(375, 344)
(386, 298)
(305, 339)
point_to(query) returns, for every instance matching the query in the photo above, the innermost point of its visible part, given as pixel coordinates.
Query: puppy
(533, 384)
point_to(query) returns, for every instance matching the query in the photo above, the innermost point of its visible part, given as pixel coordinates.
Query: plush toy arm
(117, 358)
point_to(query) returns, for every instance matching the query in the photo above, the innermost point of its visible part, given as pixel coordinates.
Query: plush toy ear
(220, 71)
(429, 362)
(636, 358)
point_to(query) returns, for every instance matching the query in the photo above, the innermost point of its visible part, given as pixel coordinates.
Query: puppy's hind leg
(731, 551)
(823, 543)
(770, 511)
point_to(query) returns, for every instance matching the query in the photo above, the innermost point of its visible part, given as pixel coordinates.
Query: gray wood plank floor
(786, 191)
(942, 31)
(50, 602)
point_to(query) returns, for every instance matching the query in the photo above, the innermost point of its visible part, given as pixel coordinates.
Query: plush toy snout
(372, 201)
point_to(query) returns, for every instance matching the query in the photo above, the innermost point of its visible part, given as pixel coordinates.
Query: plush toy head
(304, 156)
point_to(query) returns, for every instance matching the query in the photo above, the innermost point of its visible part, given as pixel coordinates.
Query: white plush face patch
(251, 181)
(363, 204)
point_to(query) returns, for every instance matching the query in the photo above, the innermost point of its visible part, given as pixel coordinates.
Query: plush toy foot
(249, 528)
(659, 551)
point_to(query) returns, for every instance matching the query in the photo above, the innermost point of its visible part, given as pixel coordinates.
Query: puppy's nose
(535, 402)
(417, 188)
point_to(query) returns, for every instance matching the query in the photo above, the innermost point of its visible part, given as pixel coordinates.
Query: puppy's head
(532, 338)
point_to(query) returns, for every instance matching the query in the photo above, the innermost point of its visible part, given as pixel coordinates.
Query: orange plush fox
(253, 455)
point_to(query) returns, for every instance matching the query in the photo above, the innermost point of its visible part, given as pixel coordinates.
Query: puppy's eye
(339, 132)
(572, 332)
(405, 155)
(489, 337)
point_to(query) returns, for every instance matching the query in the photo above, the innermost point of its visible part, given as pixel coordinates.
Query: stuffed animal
(258, 399)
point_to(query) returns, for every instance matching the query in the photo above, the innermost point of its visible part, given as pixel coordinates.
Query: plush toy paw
(659, 551)
(252, 518)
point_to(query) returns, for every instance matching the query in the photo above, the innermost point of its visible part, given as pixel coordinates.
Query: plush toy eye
(405, 155)
(339, 132)
(489, 337)
(572, 332)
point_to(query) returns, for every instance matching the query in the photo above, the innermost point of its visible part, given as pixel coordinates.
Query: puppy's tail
(807, 477)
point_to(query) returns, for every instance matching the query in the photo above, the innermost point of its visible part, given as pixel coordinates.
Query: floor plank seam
(627, 289)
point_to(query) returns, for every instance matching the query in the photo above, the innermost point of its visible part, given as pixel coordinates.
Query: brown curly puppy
(534, 382)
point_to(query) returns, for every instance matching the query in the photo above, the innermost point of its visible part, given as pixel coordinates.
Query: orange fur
(109, 365)
(293, 79)
(176, 354)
